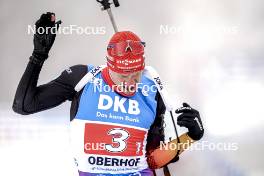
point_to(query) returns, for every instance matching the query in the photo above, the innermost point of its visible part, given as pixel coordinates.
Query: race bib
(113, 140)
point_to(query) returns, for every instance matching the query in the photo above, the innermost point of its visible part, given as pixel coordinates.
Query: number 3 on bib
(119, 138)
(115, 140)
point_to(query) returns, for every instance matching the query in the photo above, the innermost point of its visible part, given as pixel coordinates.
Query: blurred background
(209, 53)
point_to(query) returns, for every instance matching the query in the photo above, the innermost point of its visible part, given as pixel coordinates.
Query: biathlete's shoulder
(73, 74)
(147, 80)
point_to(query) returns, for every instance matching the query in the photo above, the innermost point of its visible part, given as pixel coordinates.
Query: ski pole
(106, 5)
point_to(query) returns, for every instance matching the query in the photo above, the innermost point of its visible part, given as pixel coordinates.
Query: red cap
(125, 53)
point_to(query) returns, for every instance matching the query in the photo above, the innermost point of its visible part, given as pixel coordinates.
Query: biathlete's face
(128, 81)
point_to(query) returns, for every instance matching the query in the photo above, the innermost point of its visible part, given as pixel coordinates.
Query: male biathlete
(114, 132)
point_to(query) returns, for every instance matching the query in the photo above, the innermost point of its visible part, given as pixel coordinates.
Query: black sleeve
(156, 131)
(31, 98)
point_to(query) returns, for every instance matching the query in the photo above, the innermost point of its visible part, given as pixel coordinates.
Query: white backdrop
(211, 57)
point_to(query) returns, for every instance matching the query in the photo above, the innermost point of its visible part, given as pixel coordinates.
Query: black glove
(190, 118)
(44, 37)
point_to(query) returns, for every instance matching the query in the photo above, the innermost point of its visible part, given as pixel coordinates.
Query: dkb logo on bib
(106, 103)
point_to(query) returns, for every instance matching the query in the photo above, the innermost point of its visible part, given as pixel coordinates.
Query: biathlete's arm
(31, 98)
(166, 152)
(189, 118)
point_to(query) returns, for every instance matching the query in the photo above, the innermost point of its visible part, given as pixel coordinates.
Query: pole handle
(106, 4)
